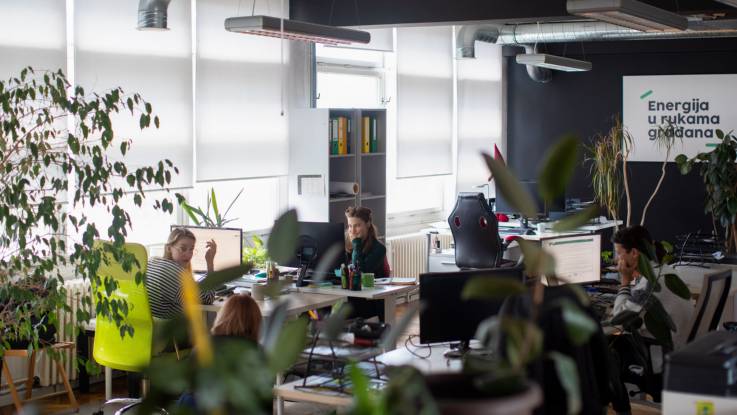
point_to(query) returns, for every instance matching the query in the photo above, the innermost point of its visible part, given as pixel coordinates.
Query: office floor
(91, 402)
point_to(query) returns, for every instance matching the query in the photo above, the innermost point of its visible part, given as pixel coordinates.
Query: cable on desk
(408, 342)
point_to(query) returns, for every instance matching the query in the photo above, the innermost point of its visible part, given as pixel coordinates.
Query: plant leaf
(326, 260)
(232, 202)
(363, 400)
(188, 210)
(574, 221)
(558, 167)
(484, 288)
(659, 329)
(537, 261)
(337, 321)
(292, 341)
(511, 188)
(645, 268)
(567, 372)
(272, 325)
(579, 326)
(215, 210)
(217, 279)
(624, 317)
(676, 285)
(283, 239)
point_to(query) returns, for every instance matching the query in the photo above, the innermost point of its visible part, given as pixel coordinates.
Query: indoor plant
(59, 155)
(718, 170)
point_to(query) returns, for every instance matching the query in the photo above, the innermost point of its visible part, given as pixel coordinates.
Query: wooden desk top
(379, 292)
(298, 303)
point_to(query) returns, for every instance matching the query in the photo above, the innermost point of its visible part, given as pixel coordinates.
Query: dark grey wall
(584, 103)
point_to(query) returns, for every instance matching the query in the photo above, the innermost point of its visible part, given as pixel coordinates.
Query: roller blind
(111, 52)
(32, 33)
(479, 114)
(240, 130)
(424, 101)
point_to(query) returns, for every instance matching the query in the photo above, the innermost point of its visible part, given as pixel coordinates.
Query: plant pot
(454, 394)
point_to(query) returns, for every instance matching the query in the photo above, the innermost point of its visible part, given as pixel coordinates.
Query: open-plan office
(368, 206)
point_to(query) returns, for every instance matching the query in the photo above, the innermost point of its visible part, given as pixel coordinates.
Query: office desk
(388, 293)
(434, 364)
(299, 302)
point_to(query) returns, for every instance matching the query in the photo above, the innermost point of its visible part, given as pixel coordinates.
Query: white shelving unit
(311, 162)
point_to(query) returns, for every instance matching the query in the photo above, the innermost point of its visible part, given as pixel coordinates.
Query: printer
(701, 378)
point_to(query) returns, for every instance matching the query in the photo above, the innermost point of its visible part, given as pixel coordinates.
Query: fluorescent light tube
(628, 13)
(296, 30)
(557, 63)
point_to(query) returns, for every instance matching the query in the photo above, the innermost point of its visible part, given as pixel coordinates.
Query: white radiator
(45, 367)
(408, 253)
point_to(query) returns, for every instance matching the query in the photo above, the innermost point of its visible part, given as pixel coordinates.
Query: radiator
(45, 367)
(408, 253)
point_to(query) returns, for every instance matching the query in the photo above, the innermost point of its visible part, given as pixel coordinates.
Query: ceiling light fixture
(296, 30)
(628, 13)
(732, 3)
(554, 62)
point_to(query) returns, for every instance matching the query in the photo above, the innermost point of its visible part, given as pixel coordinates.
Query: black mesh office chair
(475, 232)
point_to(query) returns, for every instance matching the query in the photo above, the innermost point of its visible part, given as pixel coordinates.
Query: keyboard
(512, 231)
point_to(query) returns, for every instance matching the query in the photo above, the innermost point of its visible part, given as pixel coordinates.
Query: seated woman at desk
(163, 275)
(367, 254)
(362, 247)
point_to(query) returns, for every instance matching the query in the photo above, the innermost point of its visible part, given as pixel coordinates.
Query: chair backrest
(709, 307)
(475, 231)
(110, 349)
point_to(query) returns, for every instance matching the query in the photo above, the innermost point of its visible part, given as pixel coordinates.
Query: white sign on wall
(696, 105)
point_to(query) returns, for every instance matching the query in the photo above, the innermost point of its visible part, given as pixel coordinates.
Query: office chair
(711, 302)
(476, 232)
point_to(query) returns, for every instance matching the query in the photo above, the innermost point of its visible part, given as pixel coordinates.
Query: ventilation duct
(537, 73)
(152, 14)
(469, 34)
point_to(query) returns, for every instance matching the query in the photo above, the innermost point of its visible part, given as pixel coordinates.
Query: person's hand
(212, 249)
(626, 268)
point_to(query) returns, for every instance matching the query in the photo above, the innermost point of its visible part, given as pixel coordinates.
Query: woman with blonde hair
(164, 274)
(240, 317)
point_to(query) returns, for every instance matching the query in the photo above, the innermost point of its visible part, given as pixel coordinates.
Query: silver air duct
(152, 14)
(524, 35)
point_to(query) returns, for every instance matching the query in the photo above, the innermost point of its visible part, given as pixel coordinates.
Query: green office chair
(130, 354)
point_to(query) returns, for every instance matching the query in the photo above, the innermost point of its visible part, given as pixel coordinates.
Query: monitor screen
(577, 258)
(315, 238)
(445, 317)
(557, 205)
(229, 247)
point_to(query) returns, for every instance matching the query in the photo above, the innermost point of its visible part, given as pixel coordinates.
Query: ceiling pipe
(536, 73)
(469, 34)
(152, 14)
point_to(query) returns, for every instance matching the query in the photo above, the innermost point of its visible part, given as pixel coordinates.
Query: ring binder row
(340, 132)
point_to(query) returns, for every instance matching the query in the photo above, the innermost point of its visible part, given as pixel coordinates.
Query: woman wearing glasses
(163, 275)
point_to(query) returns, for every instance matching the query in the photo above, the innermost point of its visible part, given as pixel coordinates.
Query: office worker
(626, 350)
(164, 274)
(363, 249)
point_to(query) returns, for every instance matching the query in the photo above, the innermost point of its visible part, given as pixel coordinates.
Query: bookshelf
(316, 152)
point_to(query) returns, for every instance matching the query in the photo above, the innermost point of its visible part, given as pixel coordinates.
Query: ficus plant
(60, 156)
(717, 168)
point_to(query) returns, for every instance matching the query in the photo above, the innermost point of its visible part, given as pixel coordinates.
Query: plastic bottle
(343, 277)
(356, 279)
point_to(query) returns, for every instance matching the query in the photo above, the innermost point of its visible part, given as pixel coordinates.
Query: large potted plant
(717, 168)
(60, 155)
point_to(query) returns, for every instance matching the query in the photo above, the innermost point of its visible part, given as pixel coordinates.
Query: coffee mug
(258, 291)
(367, 280)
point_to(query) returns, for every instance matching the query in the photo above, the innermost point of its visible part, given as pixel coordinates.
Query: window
(258, 206)
(349, 78)
(415, 194)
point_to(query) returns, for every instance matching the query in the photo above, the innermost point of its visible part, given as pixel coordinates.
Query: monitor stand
(457, 350)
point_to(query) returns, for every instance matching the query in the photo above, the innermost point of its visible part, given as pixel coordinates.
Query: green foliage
(717, 168)
(558, 168)
(567, 372)
(579, 219)
(607, 155)
(492, 288)
(203, 218)
(282, 242)
(511, 187)
(45, 163)
(256, 254)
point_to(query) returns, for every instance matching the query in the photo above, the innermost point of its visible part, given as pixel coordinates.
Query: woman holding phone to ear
(164, 274)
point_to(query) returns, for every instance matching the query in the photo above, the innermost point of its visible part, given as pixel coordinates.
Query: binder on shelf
(348, 136)
(365, 134)
(374, 141)
(333, 136)
(342, 135)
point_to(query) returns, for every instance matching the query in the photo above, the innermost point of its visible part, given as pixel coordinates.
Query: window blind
(111, 52)
(424, 101)
(479, 114)
(240, 130)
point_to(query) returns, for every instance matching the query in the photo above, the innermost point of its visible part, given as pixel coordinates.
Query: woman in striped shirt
(163, 275)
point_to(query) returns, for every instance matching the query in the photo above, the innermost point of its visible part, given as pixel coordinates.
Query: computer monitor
(229, 247)
(542, 209)
(315, 238)
(577, 258)
(445, 317)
